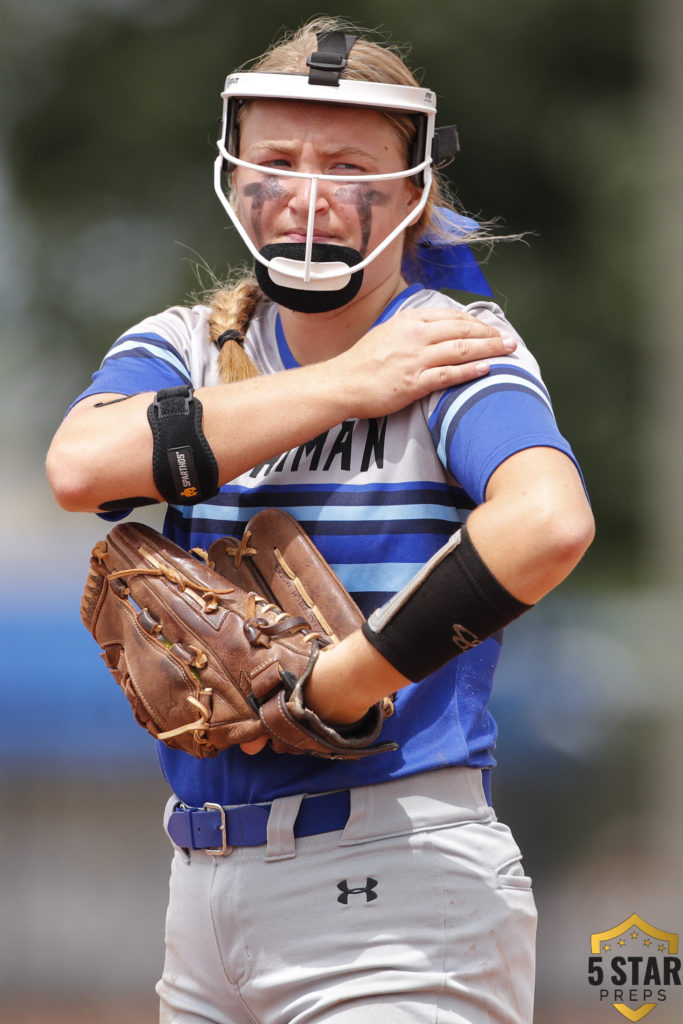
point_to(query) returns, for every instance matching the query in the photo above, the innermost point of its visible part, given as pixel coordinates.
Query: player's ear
(413, 197)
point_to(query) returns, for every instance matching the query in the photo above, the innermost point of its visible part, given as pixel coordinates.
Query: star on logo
(636, 1003)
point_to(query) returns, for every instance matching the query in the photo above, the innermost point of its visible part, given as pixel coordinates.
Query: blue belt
(214, 829)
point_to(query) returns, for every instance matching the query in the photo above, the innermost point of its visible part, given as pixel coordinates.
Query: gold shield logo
(634, 965)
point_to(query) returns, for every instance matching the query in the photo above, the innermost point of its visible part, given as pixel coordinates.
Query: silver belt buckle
(224, 849)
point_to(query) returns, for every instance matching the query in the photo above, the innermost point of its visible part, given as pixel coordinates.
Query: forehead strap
(329, 60)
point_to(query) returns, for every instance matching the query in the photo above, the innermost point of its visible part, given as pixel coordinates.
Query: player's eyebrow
(287, 146)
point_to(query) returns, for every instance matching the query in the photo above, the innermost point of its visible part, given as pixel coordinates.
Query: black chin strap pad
(302, 299)
(329, 60)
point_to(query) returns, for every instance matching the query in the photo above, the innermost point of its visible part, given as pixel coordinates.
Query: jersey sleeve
(138, 362)
(146, 358)
(478, 425)
(164, 350)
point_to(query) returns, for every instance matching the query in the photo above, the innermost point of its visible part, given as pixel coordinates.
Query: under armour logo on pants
(368, 889)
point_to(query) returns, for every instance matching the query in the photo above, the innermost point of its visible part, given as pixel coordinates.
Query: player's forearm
(260, 418)
(348, 679)
(103, 452)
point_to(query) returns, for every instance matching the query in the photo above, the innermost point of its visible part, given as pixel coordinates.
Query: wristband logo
(634, 966)
(183, 472)
(464, 638)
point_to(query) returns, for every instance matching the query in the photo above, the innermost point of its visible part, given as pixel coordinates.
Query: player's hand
(416, 352)
(254, 746)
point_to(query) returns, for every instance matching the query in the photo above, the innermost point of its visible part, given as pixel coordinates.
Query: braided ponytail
(232, 308)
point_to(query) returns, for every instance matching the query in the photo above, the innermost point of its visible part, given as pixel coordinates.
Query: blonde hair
(233, 306)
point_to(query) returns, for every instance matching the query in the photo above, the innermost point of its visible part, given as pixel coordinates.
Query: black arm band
(125, 504)
(185, 468)
(450, 606)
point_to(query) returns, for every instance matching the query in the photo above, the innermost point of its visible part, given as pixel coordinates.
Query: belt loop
(486, 785)
(169, 808)
(359, 824)
(281, 844)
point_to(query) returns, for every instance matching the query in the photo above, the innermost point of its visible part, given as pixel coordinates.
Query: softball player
(414, 439)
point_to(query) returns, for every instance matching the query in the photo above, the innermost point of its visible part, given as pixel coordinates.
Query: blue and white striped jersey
(378, 497)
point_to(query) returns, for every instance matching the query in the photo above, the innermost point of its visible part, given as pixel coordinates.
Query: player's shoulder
(484, 309)
(175, 324)
(178, 336)
(521, 361)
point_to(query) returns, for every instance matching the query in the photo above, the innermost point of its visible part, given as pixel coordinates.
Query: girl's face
(316, 138)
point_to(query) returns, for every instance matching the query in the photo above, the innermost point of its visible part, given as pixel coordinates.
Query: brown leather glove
(215, 649)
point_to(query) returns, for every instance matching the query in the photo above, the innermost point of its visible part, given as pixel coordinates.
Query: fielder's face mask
(314, 277)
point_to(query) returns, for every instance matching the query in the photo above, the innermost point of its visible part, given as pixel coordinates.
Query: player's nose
(307, 192)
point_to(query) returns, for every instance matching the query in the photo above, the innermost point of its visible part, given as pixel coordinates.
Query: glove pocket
(156, 680)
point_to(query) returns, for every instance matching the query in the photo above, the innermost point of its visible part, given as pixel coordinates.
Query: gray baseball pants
(418, 912)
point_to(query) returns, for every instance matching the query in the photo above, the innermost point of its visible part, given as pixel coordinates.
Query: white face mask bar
(305, 271)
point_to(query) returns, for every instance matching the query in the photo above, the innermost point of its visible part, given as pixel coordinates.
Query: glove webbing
(301, 590)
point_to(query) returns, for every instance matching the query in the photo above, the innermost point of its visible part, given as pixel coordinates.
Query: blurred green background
(569, 114)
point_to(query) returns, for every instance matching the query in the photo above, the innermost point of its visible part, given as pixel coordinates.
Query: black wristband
(450, 606)
(184, 466)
